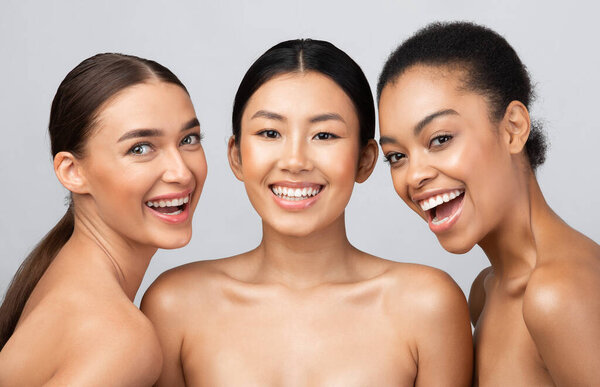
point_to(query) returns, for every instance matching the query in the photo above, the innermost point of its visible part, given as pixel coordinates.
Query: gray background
(210, 44)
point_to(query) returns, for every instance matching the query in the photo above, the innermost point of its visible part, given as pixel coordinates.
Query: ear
(235, 158)
(516, 124)
(367, 161)
(68, 171)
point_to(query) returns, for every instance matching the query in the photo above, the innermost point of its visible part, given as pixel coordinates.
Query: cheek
(256, 158)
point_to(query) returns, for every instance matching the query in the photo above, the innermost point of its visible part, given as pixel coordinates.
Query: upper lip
(295, 184)
(433, 192)
(169, 196)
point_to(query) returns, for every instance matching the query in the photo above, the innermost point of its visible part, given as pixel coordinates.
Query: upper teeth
(436, 200)
(295, 193)
(168, 203)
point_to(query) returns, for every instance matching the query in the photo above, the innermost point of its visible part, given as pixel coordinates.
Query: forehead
(423, 90)
(301, 94)
(152, 104)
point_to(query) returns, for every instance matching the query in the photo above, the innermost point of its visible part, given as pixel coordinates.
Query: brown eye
(269, 133)
(440, 140)
(325, 136)
(393, 158)
(140, 149)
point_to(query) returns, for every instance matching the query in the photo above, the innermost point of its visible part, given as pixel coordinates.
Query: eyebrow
(326, 117)
(420, 125)
(268, 115)
(137, 133)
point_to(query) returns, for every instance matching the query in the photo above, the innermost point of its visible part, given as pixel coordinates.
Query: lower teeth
(437, 221)
(174, 213)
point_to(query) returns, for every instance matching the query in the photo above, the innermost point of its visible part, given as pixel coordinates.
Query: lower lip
(445, 226)
(172, 219)
(296, 205)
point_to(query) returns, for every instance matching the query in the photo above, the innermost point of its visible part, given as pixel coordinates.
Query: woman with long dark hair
(306, 307)
(126, 144)
(454, 105)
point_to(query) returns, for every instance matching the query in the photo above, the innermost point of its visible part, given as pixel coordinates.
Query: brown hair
(72, 117)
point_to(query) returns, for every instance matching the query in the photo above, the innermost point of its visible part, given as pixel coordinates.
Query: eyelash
(269, 133)
(447, 138)
(388, 158)
(330, 136)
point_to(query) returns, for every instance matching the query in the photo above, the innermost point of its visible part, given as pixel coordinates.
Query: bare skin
(535, 310)
(79, 327)
(306, 308)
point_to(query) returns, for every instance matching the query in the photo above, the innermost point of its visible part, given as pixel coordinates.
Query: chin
(456, 246)
(174, 241)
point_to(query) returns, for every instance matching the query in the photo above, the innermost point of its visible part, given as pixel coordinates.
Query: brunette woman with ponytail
(126, 144)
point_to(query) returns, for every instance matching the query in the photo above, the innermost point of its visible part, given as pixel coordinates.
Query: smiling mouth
(442, 208)
(169, 207)
(296, 194)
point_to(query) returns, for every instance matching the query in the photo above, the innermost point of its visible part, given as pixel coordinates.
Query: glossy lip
(172, 219)
(299, 204)
(445, 226)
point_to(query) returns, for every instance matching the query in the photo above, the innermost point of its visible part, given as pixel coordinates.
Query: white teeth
(295, 194)
(169, 203)
(435, 201)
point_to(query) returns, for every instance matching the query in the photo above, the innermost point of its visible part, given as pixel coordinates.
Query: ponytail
(29, 274)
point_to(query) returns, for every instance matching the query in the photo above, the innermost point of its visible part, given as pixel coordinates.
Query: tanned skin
(535, 309)
(306, 308)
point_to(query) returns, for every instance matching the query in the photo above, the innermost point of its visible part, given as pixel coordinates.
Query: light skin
(79, 326)
(306, 308)
(535, 309)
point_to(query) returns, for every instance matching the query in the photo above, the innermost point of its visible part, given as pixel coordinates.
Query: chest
(298, 345)
(505, 353)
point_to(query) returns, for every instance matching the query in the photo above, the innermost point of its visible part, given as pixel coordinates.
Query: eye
(140, 149)
(394, 157)
(192, 139)
(325, 136)
(440, 140)
(269, 133)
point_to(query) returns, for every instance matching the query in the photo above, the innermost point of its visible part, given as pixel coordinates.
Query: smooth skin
(306, 308)
(79, 326)
(535, 309)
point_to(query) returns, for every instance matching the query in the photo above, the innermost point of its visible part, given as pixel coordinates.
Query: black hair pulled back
(303, 55)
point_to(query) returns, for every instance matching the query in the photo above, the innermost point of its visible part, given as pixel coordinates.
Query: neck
(305, 261)
(102, 246)
(512, 247)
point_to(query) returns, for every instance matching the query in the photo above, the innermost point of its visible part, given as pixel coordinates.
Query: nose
(175, 168)
(419, 171)
(295, 156)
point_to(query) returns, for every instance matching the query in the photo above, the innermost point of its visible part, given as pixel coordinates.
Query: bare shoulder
(99, 338)
(188, 288)
(423, 289)
(477, 295)
(562, 283)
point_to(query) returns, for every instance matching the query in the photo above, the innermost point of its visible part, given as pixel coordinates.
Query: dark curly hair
(492, 66)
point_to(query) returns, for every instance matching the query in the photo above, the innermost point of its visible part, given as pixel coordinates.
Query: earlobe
(68, 171)
(367, 161)
(517, 125)
(235, 158)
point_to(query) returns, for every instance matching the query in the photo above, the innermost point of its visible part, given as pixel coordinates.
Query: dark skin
(535, 309)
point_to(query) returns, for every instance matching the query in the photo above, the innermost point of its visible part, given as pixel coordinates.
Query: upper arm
(562, 312)
(115, 355)
(477, 295)
(444, 341)
(161, 305)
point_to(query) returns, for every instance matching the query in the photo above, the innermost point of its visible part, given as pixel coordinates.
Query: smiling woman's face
(448, 160)
(144, 165)
(299, 150)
